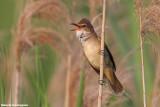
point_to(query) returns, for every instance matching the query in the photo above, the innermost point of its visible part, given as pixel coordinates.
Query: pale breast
(92, 51)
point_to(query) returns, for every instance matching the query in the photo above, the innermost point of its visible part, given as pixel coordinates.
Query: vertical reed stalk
(16, 75)
(67, 91)
(100, 91)
(142, 70)
(141, 55)
(17, 82)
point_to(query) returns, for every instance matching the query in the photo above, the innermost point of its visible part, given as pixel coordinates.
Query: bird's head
(83, 27)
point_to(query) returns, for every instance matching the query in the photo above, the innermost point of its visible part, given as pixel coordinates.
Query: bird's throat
(83, 35)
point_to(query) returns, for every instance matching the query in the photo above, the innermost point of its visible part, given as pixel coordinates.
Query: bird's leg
(102, 82)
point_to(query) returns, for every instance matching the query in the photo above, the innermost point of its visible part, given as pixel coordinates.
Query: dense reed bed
(42, 64)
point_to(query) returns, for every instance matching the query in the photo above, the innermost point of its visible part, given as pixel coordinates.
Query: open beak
(76, 26)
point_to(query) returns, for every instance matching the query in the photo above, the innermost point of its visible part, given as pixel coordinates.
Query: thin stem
(102, 55)
(17, 83)
(16, 75)
(143, 75)
(66, 104)
(142, 59)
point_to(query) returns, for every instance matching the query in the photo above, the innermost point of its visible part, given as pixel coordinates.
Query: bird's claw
(101, 52)
(101, 82)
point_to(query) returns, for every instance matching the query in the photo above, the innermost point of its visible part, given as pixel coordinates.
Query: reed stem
(100, 91)
(67, 91)
(141, 54)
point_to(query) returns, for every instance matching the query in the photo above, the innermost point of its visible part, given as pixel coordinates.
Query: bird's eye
(84, 25)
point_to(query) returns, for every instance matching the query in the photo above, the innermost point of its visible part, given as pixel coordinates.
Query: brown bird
(92, 49)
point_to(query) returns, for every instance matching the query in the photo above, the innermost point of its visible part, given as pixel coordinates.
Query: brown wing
(108, 58)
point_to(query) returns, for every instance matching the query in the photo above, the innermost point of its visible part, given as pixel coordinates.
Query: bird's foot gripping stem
(101, 52)
(102, 82)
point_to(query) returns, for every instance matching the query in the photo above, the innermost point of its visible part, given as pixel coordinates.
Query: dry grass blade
(139, 8)
(96, 17)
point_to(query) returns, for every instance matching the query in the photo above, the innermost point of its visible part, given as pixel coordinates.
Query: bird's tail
(113, 81)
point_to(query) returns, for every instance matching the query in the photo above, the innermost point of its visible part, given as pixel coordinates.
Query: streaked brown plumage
(91, 47)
